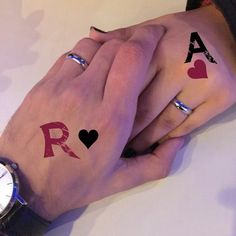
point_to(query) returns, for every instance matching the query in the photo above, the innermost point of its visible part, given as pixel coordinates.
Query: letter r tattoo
(49, 141)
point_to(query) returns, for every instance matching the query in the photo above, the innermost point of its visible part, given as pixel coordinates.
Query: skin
(103, 97)
(157, 119)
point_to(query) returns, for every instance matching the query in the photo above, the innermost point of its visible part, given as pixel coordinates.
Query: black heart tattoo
(88, 138)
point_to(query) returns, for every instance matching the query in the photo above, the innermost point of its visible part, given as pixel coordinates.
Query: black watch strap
(24, 222)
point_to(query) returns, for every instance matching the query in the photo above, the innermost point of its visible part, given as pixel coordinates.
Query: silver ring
(181, 106)
(78, 59)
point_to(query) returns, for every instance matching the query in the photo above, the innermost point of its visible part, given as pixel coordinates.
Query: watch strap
(24, 222)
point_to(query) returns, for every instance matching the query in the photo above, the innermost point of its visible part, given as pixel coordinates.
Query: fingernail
(96, 29)
(130, 152)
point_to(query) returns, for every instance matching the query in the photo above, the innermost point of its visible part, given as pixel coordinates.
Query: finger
(97, 72)
(130, 66)
(101, 37)
(124, 34)
(168, 120)
(155, 98)
(85, 48)
(154, 166)
(121, 33)
(200, 116)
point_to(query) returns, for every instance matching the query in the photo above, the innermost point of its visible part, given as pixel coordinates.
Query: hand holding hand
(157, 117)
(103, 98)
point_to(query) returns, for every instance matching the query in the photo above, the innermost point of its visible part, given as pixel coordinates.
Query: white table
(198, 199)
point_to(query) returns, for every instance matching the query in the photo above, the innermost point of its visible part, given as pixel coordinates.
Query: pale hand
(103, 98)
(157, 118)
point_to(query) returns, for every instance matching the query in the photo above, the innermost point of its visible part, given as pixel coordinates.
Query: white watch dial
(6, 187)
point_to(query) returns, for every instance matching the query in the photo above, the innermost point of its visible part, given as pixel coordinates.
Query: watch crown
(21, 200)
(14, 166)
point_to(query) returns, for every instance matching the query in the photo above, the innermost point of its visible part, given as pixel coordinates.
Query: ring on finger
(78, 59)
(181, 106)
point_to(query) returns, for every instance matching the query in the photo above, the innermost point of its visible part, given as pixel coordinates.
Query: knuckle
(114, 42)
(133, 49)
(150, 31)
(69, 96)
(86, 43)
(109, 48)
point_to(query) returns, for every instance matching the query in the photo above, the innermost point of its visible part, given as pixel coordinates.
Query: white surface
(199, 199)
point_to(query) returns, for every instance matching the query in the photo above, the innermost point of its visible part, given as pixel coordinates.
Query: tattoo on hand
(49, 141)
(87, 138)
(199, 71)
(201, 49)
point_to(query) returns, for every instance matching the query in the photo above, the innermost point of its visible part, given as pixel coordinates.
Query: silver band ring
(78, 59)
(181, 106)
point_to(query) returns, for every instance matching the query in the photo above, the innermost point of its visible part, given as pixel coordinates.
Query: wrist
(36, 200)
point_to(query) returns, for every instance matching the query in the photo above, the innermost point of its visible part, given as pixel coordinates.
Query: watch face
(6, 187)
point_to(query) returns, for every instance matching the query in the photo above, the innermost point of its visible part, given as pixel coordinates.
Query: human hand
(158, 119)
(102, 98)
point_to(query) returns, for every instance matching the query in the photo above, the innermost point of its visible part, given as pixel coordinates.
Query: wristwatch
(16, 218)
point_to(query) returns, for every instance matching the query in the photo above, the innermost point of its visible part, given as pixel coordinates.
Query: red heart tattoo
(199, 70)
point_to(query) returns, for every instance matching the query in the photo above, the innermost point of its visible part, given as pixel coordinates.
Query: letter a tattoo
(201, 49)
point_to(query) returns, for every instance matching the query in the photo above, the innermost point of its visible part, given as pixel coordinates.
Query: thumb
(122, 33)
(148, 167)
(102, 36)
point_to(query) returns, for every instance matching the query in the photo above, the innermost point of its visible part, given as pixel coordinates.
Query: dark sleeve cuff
(227, 7)
(193, 4)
